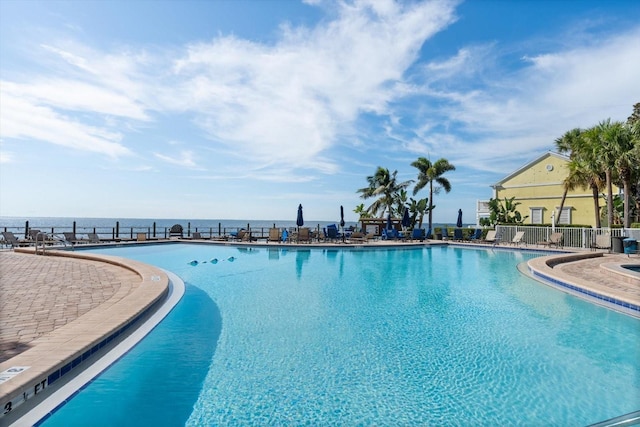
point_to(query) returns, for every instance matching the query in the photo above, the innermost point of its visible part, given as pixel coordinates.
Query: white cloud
(287, 103)
(185, 159)
(516, 116)
(21, 119)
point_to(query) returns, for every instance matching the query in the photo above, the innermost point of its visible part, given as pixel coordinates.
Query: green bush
(635, 225)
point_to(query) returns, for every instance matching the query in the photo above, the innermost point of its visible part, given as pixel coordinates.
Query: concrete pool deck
(54, 308)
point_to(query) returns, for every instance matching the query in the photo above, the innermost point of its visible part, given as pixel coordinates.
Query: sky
(238, 109)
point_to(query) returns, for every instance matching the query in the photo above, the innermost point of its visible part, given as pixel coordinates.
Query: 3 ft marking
(12, 404)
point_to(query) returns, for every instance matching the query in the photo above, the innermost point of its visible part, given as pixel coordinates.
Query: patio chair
(93, 238)
(428, 234)
(418, 234)
(445, 233)
(357, 237)
(243, 236)
(304, 235)
(476, 236)
(11, 240)
(274, 235)
(517, 239)
(603, 241)
(176, 230)
(554, 240)
(332, 232)
(389, 234)
(457, 235)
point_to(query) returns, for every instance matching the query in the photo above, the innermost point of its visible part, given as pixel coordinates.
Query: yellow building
(538, 186)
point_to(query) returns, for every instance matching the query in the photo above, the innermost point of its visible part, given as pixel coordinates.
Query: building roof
(528, 165)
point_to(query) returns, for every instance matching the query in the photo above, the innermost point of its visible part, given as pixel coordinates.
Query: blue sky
(244, 109)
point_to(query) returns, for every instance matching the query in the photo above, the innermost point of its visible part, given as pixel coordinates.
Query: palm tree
(585, 174)
(386, 187)
(428, 173)
(626, 162)
(568, 143)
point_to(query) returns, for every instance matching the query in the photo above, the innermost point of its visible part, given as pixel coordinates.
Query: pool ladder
(43, 239)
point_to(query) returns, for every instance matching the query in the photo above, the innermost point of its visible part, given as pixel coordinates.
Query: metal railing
(573, 237)
(28, 234)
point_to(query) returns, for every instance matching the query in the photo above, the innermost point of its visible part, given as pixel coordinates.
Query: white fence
(579, 238)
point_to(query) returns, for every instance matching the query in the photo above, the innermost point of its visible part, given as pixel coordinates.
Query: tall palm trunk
(559, 212)
(430, 205)
(609, 197)
(596, 204)
(627, 212)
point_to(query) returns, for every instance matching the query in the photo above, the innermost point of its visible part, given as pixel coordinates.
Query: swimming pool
(441, 336)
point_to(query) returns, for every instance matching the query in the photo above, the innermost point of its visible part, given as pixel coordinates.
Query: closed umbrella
(405, 218)
(459, 222)
(389, 221)
(300, 219)
(342, 221)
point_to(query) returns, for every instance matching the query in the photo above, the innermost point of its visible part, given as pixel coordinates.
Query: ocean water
(106, 226)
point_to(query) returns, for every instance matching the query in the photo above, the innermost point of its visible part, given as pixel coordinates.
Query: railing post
(117, 230)
(154, 229)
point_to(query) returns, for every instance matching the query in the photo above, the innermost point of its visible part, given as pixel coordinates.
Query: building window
(565, 216)
(536, 215)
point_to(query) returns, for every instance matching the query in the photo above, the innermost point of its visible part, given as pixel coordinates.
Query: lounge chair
(492, 237)
(357, 237)
(93, 238)
(457, 235)
(476, 236)
(428, 234)
(196, 235)
(332, 232)
(517, 239)
(418, 234)
(389, 234)
(554, 240)
(243, 235)
(445, 233)
(70, 237)
(11, 240)
(274, 235)
(603, 241)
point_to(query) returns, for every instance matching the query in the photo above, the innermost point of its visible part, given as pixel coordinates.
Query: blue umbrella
(459, 223)
(300, 220)
(405, 218)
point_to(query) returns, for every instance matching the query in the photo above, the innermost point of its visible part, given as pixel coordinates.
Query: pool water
(433, 336)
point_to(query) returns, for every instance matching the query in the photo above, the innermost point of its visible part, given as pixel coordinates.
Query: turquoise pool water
(434, 336)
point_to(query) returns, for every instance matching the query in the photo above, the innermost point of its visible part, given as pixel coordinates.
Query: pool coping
(60, 397)
(542, 269)
(33, 375)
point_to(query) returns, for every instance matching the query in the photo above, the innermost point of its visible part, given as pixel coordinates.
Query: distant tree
(418, 208)
(428, 173)
(385, 186)
(361, 211)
